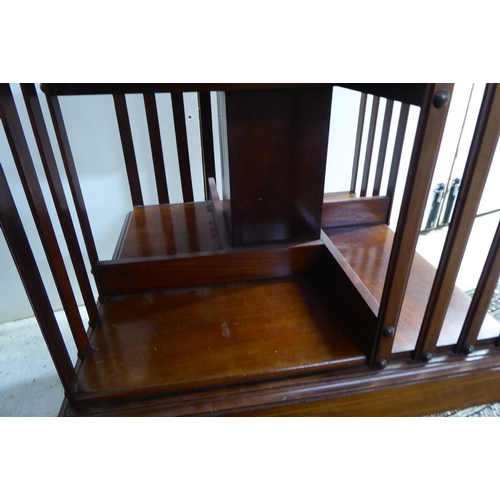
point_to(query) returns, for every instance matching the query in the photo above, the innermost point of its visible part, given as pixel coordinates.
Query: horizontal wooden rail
(355, 211)
(411, 93)
(144, 275)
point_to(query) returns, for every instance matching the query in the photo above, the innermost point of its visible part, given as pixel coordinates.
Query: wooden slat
(369, 146)
(57, 191)
(74, 183)
(383, 147)
(355, 211)
(359, 139)
(220, 221)
(128, 149)
(482, 297)
(428, 138)
(477, 167)
(143, 275)
(182, 146)
(207, 139)
(34, 195)
(396, 156)
(19, 246)
(156, 147)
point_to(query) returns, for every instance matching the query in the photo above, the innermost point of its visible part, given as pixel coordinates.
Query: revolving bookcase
(273, 298)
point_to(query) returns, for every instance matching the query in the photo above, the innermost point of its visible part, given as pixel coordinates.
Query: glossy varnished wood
(367, 250)
(355, 211)
(161, 230)
(188, 339)
(422, 162)
(142, 275)
(277, 145)
(403, 389)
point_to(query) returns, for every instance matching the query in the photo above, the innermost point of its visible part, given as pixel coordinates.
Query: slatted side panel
(424, 155)
(26, 169)
(57, 191)
(477, 167)
(378, 147)
(19, 246)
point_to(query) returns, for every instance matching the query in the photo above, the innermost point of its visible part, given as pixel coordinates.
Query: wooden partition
(276, 299)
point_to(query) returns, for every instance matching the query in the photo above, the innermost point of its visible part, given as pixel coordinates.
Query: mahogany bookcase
(276, 298)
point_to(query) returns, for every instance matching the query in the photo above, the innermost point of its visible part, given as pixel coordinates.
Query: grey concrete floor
(29, 385)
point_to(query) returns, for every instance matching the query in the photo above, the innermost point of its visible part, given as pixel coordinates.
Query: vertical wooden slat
(17, 241)
(482, 298)
(56, 188)
(359, 139)
(182, 146)
(207, 140)
(34, 195)
(128, 149)
(156, 148)
(396, 156)
(426, 146)
(74, 183)
(369, 145)
(476, 172)
(383, 147)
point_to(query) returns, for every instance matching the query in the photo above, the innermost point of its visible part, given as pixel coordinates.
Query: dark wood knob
(441, 98)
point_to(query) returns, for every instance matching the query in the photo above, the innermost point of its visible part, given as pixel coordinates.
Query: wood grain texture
(142, 275)
(149, 343)
(355, 211)
(277, 145)
(367, 250)
(162, 230)
(403, 389)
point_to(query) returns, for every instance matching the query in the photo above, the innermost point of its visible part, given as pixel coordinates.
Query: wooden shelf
(367, 250)
(189, 339)
(161, 230)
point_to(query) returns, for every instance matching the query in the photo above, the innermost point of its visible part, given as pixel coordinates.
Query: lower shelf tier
(189, 339)
(367, 250)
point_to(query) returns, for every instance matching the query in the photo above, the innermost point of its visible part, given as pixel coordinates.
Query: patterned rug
(492, 410)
